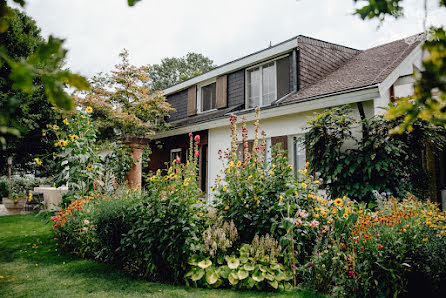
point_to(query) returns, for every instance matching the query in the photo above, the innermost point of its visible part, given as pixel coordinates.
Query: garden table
(52, 196)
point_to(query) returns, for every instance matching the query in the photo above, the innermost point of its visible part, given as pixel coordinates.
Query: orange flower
(380, 246)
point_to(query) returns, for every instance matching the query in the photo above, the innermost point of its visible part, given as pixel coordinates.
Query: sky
(95, 31)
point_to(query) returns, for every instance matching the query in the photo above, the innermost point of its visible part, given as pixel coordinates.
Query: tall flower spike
(245, 141)
(233, 152)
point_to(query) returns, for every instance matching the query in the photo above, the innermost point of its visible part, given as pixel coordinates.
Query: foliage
(377, 161)
(429, 97)
(28, 113)
(251, 191)
(78, 156)
(173, 70)
(152, 233)
(19, 185)
(376, 253)
(254, 265)
(124, 104)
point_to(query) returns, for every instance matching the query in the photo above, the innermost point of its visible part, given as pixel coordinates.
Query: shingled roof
(367, 68)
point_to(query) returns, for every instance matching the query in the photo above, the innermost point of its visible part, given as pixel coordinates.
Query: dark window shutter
(192, 101)
(283, 77)
(222, 92)
(282, 140)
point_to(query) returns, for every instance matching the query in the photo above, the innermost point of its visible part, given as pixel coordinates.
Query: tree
(123, 102)
(27, 113)
(23, 72)
(429, 100)
(173, 70)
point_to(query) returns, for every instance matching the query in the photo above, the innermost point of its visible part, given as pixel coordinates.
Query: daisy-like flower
(338, 202)
(88, 109)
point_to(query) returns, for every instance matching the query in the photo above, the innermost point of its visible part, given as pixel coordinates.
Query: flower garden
(264, 229)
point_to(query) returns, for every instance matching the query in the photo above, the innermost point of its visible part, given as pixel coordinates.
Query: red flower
(190, 135)
(380, 246)
(178, 160)
(197, 138)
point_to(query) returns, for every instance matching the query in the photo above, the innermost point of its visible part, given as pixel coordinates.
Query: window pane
(208, 94)
(300, 158)
(254, 88)
(268, 84)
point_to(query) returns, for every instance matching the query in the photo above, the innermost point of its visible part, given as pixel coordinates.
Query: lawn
(31, 265)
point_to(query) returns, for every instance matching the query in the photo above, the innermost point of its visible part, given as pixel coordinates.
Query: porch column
(134, 176)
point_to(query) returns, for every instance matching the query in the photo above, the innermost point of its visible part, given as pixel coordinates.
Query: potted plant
(15, 204)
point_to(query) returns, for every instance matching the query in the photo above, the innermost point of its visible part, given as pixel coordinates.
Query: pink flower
(86, 222)
(197, 153)
(314, 223)
(53, 218)
(303, 214)
(190, 135)
(298, 222)
(178, 160)
(84, 229)
(197, 138)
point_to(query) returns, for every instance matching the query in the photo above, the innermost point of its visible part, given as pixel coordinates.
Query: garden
(265, 229)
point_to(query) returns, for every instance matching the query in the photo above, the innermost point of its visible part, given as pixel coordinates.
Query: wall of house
(179, 103)
(287, 125)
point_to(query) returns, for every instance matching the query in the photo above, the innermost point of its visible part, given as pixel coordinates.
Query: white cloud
(96, 30)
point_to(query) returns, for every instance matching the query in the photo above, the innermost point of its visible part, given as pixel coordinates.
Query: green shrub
(19, 185)
(356, 166)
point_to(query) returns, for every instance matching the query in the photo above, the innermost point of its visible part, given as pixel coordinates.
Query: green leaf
(273, 284)
(248, 267)
(258, 276)
(197, 275)
(242, 274)
(205, 263)
(233, 262)
(233, 278)
(211, 277)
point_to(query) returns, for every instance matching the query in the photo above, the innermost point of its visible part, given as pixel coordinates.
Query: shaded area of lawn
(31, 265)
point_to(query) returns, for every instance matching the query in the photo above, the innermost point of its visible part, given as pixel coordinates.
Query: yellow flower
(239, 164)
(271, 172)
(89, 168)
(224, 188)
(280, 198)
(65, 121)
(74, 137)
(345, 215)
(429, 223)
(338, 202)
(38, 161)
(88, 109)
(296, 193)
(227, 207)
(198, 202)
(304, 185)
(43, 134)
(30, 197)
(231, 164)
(425, 239)
(256, 198)
(55, 127)
(316, 182)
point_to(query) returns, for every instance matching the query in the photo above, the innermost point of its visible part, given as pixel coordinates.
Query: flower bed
(267, 231)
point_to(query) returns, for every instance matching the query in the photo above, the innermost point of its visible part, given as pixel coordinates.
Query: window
(299, 154)
(267, 82)
(207, 97)
(174, 153)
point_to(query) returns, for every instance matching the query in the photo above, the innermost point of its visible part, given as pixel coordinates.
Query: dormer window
(267, 82)
(206, 99)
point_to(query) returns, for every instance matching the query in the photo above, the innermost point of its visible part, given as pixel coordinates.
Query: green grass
(31, 266)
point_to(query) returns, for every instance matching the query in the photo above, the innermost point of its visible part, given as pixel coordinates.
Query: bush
(378, 160)
(19, 185)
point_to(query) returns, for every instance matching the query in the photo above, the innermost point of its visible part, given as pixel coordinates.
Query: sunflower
(338, 202)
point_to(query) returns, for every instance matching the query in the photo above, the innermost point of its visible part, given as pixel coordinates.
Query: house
(289, 81)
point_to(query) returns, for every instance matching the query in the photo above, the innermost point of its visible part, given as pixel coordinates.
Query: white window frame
(176, 150)
(200, 100)
(260, 66)
(294, 144)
